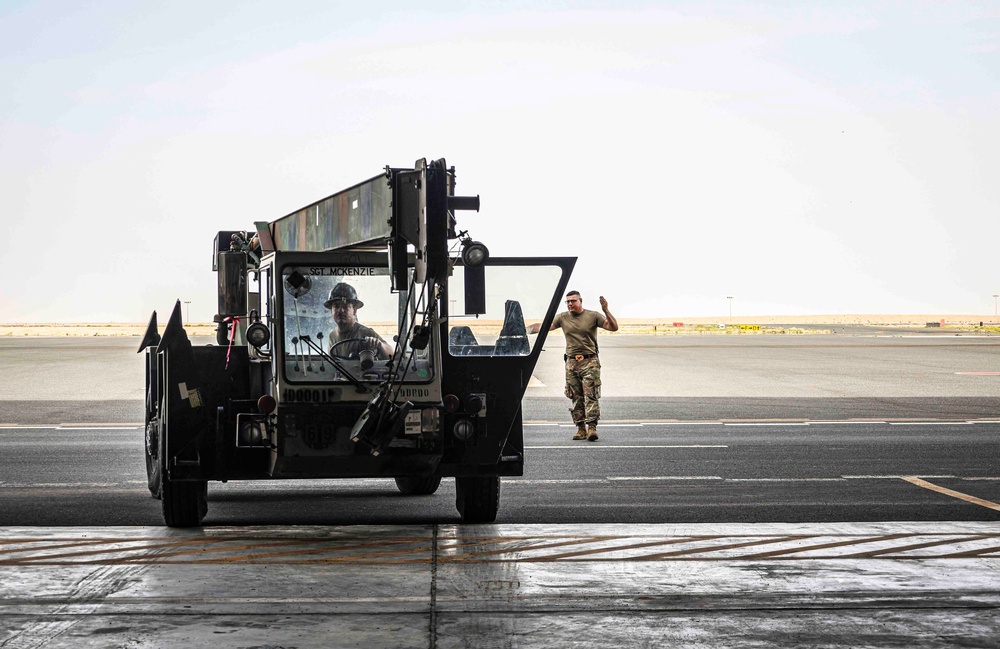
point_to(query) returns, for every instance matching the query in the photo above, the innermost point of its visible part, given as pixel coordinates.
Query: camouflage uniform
(583, 375)
(583, 387)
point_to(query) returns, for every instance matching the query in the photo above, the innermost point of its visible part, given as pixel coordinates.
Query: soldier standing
(583, 367)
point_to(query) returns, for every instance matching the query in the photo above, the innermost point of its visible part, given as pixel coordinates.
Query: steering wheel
(353, 355)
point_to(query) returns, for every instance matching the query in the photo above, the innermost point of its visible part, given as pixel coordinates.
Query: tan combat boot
(592, 432)
(581, 432)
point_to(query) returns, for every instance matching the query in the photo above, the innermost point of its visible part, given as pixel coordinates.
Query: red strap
(234, 323)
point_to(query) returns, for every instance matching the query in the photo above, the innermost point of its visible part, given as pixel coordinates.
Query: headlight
(258, 334)
(474, 253)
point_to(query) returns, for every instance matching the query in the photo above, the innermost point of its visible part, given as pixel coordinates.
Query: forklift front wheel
(477, 498)
(418, 485)
(185, 503)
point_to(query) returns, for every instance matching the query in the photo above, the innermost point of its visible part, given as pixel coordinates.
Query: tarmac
(920, 584)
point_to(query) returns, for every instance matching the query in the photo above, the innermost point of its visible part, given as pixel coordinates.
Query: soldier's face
(574, 303)
(345, 314)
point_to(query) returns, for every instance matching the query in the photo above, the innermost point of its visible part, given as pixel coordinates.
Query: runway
(823, 490)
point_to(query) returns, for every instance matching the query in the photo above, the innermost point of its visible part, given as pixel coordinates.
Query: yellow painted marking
(918, 546)
(824, 546)
(531, 546)
(716, 548)
(242, 549)
(145, 546)
(34, 545)
(161, 557)
(618, 548)
(969, 553)
(954, 494)
(253, 558)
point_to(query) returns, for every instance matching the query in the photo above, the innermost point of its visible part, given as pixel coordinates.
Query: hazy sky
(834, 158)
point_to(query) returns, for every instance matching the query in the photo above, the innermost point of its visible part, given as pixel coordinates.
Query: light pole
(730, 298)
(187, 307)
(995, 305)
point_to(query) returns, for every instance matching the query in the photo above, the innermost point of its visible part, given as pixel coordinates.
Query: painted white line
(785, 479)
(604, 425)
(771, 423)
(824, 422)
(665, 477)
(607, 446)
(97, 428)
(889, 477)
(139, 425)
(928, 423)
(841, 423)
(50, 485)
(682, 423)
(569, 481)
(115, 427)
(514, 480)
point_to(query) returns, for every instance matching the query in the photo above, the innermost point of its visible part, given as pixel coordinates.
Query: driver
(349, 338)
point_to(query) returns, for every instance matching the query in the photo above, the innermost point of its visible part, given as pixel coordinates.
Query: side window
(516, 296)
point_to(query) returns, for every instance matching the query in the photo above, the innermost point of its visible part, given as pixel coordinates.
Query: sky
(800, 158)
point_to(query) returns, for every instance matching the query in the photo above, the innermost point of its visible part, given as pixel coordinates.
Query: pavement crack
(434, 568)
(84, 598)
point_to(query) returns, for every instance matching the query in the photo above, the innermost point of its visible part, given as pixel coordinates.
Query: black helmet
(346, 293)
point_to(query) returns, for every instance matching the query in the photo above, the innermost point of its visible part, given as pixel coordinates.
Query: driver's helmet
(344, 292)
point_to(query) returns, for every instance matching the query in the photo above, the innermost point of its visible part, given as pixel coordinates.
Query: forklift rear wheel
(478, 498)
(185, 502)
(153, 473)
(418, 485)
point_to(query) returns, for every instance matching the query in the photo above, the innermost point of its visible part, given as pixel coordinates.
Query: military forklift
(362, 336)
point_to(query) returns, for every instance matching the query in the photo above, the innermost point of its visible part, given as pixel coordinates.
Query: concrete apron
(709, 585)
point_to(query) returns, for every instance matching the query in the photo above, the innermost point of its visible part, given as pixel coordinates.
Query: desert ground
(645, 326)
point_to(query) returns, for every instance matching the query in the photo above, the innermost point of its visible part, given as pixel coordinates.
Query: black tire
(184, 503)
(418, 485)
(477, 498)
(153, 469)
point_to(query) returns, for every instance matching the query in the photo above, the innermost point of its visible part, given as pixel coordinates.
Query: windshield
(346, 316)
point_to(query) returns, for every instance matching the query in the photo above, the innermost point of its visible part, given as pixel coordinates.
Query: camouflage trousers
(583, 387)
